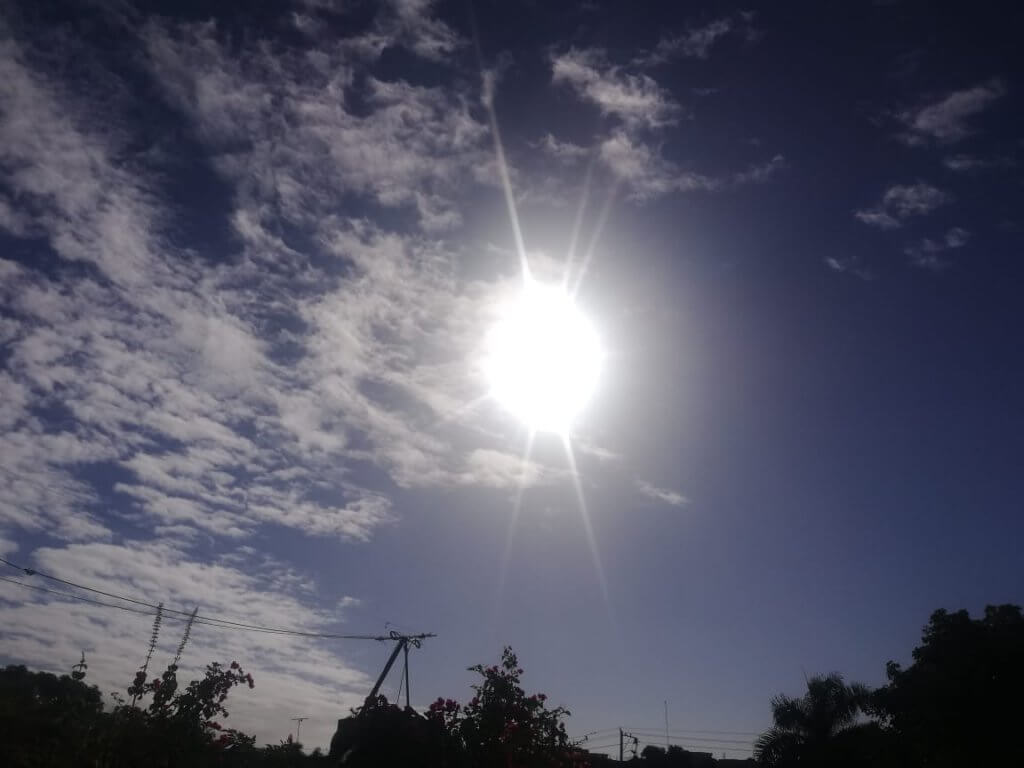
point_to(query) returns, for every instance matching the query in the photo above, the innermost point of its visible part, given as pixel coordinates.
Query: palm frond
(778, 748)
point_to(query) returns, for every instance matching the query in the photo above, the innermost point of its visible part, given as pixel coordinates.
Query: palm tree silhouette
(814, 729)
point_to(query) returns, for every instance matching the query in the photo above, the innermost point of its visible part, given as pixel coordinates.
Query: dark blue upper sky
(250, 258)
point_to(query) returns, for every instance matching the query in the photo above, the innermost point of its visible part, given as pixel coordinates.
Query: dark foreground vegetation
(957, 704)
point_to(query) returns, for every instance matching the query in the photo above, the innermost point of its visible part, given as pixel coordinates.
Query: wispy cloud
(693, 43)
(648, 174)
(563, 151)
(853, 265)
(697, 42)
(663, 495)
(636, 99)
(192, 394)
(966, 163)
(946, 121)
(413, 148)
(934, 254)
(902, 201)
(642, 111)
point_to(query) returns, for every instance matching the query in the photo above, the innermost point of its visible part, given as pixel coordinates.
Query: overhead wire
(599, 730)
(692, 730)
(694, 738)
(211, 621)
(590, 748)
(695, 747)
(77, 597)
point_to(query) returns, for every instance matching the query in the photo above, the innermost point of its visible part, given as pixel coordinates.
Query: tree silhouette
(960, 702)
(816, 729)
(653, 754)
(503, 726)
(45, 719)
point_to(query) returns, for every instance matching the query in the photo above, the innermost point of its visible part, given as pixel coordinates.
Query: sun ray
(577, 225)
(514, 518)
(602, 219)
(588, 528)
(487, 80)
(580, 332)
(506, 184)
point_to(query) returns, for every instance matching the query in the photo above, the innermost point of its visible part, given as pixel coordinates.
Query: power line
(696, 730)
(211, 621)
(696, 747)
(79, 597)
(205, 620)
(652, 734)
(587, 735)
(141, 612)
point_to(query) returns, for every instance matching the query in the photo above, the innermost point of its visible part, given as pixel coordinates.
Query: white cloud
(934, 254)
(877, 217)
(600, 452)
(636, 99)
(564, 151)
(693, 43)
(424, 34)
(901, 201)
(946, 121)
(759, 173)
(7, 547)
(957, 237)
(913, 199)
(697, 42)
(663, 495)
(414, 148)
(171, 374)
(967, 162)
(643, 109)
(851, 264)
(647, 174)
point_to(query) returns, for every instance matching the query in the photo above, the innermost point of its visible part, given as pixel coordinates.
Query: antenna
(298, 728)
(666, 725)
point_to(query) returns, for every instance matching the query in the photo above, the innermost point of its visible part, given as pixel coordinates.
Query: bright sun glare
(543, 358)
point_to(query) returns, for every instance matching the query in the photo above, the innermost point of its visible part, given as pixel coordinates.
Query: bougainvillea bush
(502, 725)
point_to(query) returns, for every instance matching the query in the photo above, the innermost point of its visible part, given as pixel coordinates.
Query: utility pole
(405, 650)
(623, 735)
(402, 643)
(298, 728)
(666, 725)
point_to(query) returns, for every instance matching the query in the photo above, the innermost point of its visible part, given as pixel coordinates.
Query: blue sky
(250, 258)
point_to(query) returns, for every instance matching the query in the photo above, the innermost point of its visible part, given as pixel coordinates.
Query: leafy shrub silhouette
(500, 726)
(503, 726)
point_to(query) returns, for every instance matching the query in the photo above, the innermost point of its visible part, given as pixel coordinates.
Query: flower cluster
(445, 712)
(501, 724)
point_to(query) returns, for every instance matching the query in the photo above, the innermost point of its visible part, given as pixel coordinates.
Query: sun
(543, 358)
